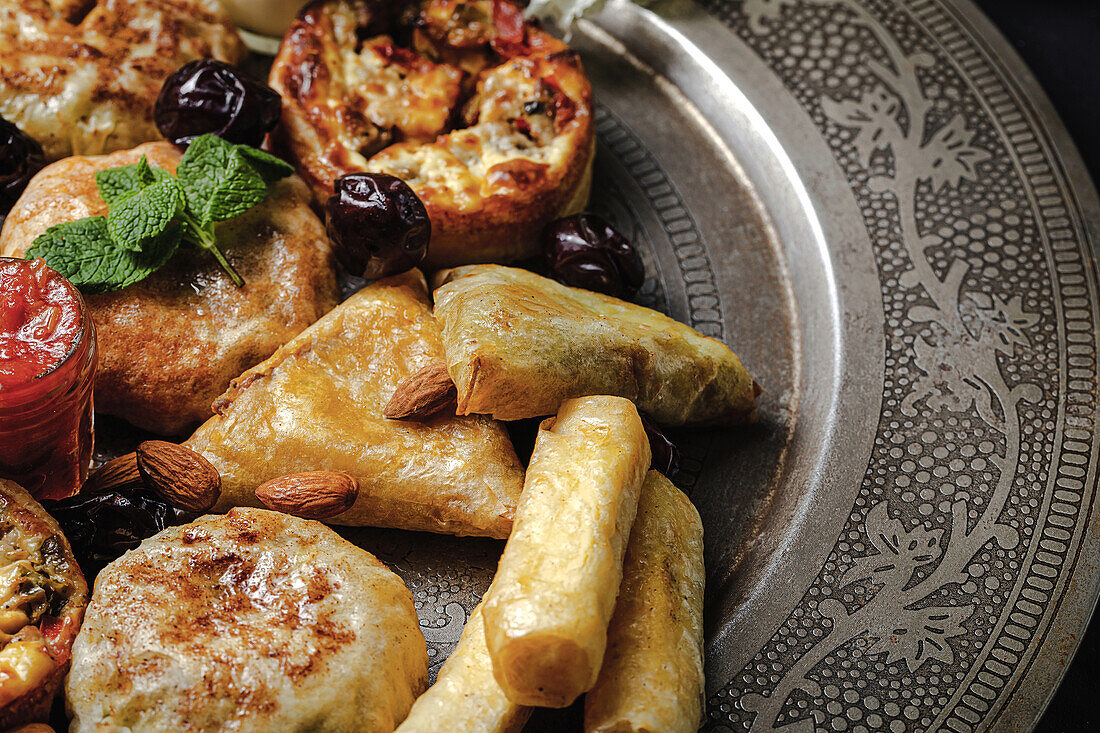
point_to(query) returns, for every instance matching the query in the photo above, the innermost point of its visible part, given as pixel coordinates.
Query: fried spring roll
(465, 697)
(652, 676)
(546, 615)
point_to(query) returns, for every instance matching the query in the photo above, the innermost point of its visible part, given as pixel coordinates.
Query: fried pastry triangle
(519, 344)
(317, 405)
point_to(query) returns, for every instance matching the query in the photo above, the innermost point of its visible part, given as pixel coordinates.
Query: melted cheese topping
(17, 597)
(510, 151)
(24, 659)
(524, 136)
(24, 664)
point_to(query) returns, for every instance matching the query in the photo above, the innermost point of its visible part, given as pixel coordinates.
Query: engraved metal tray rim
(781, 212)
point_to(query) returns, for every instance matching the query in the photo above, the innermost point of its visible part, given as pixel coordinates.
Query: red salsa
(40, 316)
(47, 364)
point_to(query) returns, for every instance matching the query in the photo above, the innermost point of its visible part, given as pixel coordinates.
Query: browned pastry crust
(171, 343)
(317, 405)
(252, 622)
(24, 525)
(492, 168)
(81, 76)
(519, 344)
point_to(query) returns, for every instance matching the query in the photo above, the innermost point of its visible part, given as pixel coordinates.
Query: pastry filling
(30, 591)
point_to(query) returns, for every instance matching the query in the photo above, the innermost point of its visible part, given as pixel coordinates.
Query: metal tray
(872, 202)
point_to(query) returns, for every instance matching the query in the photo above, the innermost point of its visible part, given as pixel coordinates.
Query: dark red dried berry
(666, 456)
(378, 225)
(20, 158)
(208, 96)
(585, 251)
(100, 527)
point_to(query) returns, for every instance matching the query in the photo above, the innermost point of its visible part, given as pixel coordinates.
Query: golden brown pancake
(486, 117)
(250, 621)
(171, 343)
(81, 77)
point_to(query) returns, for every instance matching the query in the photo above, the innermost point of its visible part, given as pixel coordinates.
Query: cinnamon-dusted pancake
(488, 118)
(171, 343)
(519, 344)
(81, 77)
(42, 600)
(251, 621)
(317, 405)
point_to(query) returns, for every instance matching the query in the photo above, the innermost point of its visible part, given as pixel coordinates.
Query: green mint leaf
(115, 184)
(152, 212)
(218, 181)
(84, 252)
(268, 166)
(145, 213)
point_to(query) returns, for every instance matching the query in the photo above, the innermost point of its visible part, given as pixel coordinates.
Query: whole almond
(179, 475)
(426, 393)
(311, 494)
(119, 474)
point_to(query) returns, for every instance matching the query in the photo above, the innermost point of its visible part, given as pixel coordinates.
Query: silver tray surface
(872, 202)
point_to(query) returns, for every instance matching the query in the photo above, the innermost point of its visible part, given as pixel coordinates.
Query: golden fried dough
(492, 170)
(81, 77)
(317, 405)
(466, 697)
(42, 600)
(652, 676)
(547, 611)
(518, 344)
(251, 621)
(171, 343)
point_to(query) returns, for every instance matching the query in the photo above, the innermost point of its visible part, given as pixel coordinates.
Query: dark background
(1060, 41)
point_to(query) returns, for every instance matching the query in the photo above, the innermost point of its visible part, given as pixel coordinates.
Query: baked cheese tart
(519, 344)
(488, 118)
(317, 404)
(42, 600)
(170, 344)
(81, 77)
(248, 621)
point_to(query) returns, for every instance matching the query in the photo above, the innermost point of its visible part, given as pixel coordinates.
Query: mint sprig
(152, 212)
(84, 252)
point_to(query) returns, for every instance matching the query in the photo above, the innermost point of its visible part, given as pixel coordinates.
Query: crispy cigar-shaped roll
(546, 614)
(652, 676)
(465, 697)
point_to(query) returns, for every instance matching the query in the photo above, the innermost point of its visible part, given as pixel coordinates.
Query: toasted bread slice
(317, 404)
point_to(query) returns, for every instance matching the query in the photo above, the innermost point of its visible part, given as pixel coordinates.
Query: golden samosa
(519, 344)
(317, 405)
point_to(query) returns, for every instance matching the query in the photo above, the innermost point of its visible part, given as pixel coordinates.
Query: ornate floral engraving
(889, 633)
(957, 352)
